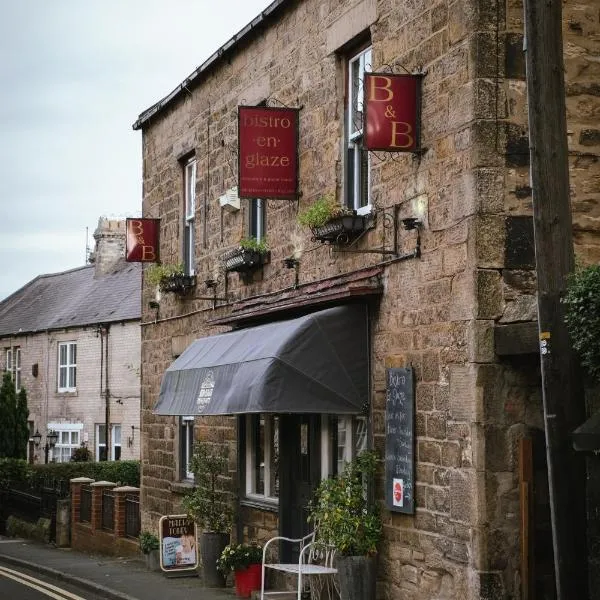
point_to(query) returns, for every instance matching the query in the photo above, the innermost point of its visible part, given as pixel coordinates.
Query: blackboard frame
(399, 440)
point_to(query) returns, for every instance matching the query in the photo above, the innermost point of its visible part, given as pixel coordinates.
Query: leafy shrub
(148, 542)
(342, 511)
(81, 454)
(13, 470)
(125, 472)
(236, 557)
(582, 301)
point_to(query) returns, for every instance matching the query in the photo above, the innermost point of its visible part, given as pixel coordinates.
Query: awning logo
(206, 391)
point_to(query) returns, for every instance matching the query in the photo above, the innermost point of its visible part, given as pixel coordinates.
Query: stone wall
(438, 313)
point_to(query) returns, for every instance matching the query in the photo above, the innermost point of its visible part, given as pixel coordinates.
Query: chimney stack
(110, 245)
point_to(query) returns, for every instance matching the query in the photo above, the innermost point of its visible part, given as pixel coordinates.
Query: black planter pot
(357, 576)
(178, 283)
(342, 229)
(211, 546)
(241, 260)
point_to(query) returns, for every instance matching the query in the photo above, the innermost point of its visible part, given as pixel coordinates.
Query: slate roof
(73, 298)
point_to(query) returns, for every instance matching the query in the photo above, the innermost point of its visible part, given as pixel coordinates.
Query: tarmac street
(92, 577)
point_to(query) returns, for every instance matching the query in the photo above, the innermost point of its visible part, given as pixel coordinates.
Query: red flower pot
(248, 580)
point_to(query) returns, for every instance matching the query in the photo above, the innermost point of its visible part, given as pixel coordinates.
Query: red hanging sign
(392, 112)
(141, 241)
(268, 152)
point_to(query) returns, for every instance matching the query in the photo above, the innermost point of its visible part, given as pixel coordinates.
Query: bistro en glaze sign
(141, 240)
(268, 152)
(392, 112)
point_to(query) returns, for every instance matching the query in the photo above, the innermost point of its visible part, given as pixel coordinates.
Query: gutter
(214, 59)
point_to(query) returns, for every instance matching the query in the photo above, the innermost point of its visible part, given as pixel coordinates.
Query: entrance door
(300, 473)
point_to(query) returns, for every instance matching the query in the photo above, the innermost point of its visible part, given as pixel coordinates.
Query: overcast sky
(74, 76)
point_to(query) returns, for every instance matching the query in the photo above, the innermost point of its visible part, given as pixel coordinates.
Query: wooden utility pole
(563, 399)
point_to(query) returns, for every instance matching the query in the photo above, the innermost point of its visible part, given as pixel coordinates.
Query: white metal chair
(314, 570)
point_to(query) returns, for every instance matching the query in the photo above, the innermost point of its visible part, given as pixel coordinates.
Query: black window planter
(178, 283)
(342, 229)
(242, 260)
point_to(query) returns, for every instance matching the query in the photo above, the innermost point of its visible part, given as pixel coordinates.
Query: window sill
(67, 393)
(268, 505)
(181, 487)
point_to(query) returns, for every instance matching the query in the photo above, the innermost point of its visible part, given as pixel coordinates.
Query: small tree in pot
(348, 519)
(209, 506)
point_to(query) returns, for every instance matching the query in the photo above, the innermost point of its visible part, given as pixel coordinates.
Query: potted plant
(149, 545)
(170, 278)
(250, 254)
(330, 222)
(209, 506)
(349, 520)
(244, 560)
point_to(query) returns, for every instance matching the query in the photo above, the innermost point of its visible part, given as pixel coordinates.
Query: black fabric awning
(318, 363)
(586, 438)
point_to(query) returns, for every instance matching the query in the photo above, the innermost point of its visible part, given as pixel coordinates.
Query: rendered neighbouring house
(72, 340)
(286, 360)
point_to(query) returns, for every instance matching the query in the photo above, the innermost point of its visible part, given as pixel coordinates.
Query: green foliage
(81, 454)
(251, 243)
(148, 542)
(8, 405)
(13, 469)
(236, 557)
(342, 511)
(320, 212)
(21, 427)
(582, 302)
(156, 273)
(208, 503)
(124, 472)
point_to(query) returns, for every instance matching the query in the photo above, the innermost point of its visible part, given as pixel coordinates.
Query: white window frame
(271, 439)
(354, 133)
(186, 446)
(114, 442)
(55, 454)
(189, 170)
(69, 367)
(13, 365)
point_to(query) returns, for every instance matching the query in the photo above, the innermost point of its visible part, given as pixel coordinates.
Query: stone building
(72, 340)
(444, 298)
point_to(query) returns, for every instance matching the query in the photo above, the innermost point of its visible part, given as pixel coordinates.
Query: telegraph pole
(564, 407)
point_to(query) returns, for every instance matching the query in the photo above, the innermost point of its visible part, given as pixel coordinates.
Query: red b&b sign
(141, 242)
(268, 152)
(392, 112)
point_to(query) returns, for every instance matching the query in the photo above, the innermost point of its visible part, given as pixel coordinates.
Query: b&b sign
(141, 243)
(392, 113)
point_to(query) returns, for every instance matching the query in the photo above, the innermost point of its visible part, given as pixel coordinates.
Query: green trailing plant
(148, 542)
(236, 557)
(342, 511)
(157, 273)
(254, 245)
(208, 503)
(320, 212)
(582, 316)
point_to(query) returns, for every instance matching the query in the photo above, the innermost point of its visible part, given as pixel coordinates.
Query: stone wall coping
(104, 484)
(126, 488)
(81, 480)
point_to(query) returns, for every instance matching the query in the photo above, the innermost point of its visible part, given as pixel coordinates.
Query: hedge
(124, 472)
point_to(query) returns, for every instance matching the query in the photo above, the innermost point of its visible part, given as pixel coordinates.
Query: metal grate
(108, 510)
(132, 516)
(85, 504)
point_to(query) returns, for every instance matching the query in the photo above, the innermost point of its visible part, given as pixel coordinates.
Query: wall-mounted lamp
(51, 439)
(293, 263)
(132, 436)
(410, 223)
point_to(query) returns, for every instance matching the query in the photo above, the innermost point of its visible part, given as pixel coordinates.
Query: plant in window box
(170, 278)
(149, 545)
(250, 254)
(330, 222)
(208, 504)
(245, 562)
(349, 520)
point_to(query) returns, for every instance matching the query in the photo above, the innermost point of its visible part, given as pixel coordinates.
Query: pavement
(113, 578)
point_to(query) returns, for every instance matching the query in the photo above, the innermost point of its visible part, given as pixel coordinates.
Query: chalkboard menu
(399, 440)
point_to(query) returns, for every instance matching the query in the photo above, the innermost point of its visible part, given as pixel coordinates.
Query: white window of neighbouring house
(262, 457)
(115, 442)
(67, 443)
(186, 446)
(189, 172)
(257, 228)
(67, 367)
(357, 164)
(13, 365)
